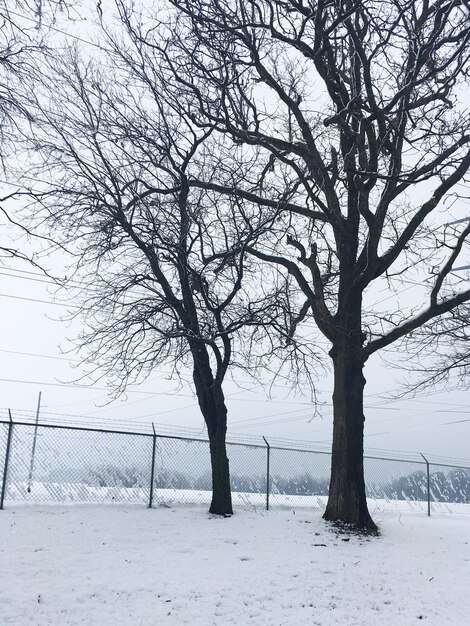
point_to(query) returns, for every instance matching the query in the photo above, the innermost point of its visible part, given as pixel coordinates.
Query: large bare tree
(355, 111)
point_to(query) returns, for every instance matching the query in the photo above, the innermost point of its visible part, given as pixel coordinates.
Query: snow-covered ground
(40, 493)
(127, 565)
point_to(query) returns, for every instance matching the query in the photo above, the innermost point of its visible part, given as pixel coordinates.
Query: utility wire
(89, 387)
(42, 356)
(33, 274)
(313, 446)
(34, 280)
(8, 295)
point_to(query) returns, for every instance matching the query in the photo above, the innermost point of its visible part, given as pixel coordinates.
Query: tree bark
(347, 498)
(221, 503)
(214, 410)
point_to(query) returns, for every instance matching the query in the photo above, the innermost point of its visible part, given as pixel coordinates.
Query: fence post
(428, 484)
(7, 459)
(33, 451)
(268, 480)
(152, 472)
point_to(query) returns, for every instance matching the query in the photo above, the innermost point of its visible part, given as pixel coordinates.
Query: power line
(89, 387)
(256, 387)
(7, 295)
(11, 269)
(242, 390)
(109, 389)
(34, 280)
(241, 437)
(41, 275)
(244, 421)
(456, 422)
(379, 394)
(231, 395)
(69, 360)
(42, 356)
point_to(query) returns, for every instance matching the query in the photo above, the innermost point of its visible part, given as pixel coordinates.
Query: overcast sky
(34, 340)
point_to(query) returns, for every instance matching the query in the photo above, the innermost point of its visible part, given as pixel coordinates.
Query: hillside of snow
(127, 565)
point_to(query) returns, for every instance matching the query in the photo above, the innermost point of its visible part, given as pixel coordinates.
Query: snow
(128, 565)
(36, 492)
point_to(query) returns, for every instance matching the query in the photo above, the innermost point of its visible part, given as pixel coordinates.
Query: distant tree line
(452, 486)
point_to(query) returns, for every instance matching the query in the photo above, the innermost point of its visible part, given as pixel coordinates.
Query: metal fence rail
(63, 463)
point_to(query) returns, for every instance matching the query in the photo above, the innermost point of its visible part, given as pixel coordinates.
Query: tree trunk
(211, 401)
(347, 497)
(221, 503)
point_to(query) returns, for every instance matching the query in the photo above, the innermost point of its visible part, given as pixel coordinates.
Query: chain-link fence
(62, 463)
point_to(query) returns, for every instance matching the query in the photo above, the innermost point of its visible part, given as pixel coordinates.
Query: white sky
(32, 361)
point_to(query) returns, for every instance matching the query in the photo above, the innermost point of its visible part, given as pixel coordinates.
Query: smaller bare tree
(161, 265)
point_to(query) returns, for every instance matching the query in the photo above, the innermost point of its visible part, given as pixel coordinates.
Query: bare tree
(161, 266)
(439, 353)
(438, 350)
(355, 110)
(24, 26)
